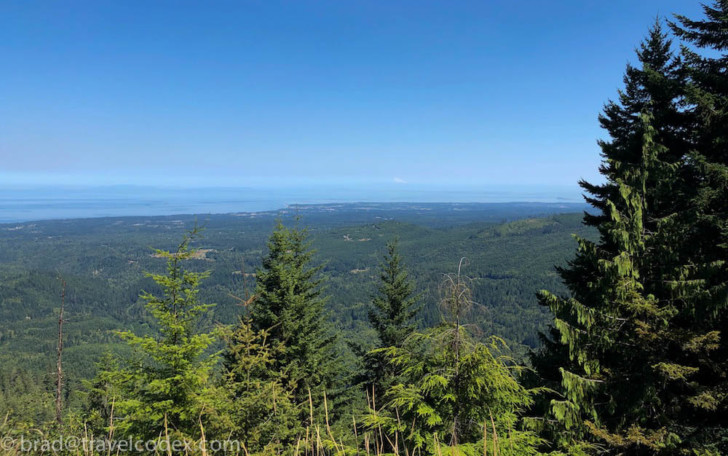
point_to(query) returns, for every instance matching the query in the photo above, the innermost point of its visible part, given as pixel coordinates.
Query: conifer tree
(614, 331)
(290, 307)
(166, 388)
(392, 313)
(657, 87)
(101, 398)
(704, 241)
(449, 388)
(395, 306)
(257, 403)
(628, 340)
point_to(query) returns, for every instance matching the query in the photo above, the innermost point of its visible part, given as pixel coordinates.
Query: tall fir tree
(395, 307)
(656, 85)
(615, 332)
(624, 341)
(392, 315)
(290, 307)
(704, 242)
(166, 389)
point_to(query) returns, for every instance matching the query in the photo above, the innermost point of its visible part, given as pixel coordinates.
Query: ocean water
(21, 204)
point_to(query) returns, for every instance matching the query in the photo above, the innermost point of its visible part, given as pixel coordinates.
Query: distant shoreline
(57, 203)
(364, 206)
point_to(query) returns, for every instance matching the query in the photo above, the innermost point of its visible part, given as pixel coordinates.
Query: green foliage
(25, 399)
(167, 385)
(449, 398)
(290, 307)
(257, 406)
(101, 395)
(652, 289)
(450, 387)
(392, 315)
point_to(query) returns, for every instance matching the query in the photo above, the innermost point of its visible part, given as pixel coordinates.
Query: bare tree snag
(59, 363)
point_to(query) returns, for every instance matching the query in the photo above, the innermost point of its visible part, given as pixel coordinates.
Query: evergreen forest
(402, 329)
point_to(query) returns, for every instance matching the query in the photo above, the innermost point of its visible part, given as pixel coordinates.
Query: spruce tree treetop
(656, 86)
(707, 93)
(392, 314)
(394, 307)
(290, 307)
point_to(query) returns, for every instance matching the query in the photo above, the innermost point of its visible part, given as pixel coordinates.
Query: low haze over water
(40, 203)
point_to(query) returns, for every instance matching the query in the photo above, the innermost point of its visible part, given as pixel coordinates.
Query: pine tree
(166, 388)
(392, 313)
(395, 306)
(290, 307)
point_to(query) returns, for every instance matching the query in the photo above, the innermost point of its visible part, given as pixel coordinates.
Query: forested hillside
(103, 262)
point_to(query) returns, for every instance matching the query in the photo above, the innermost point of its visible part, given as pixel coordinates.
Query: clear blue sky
(245, 92)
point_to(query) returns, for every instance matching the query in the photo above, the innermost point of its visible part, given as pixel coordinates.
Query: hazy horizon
(24, 203)
(141, 108)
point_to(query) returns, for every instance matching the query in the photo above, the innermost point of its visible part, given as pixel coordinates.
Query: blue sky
(193, 93)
